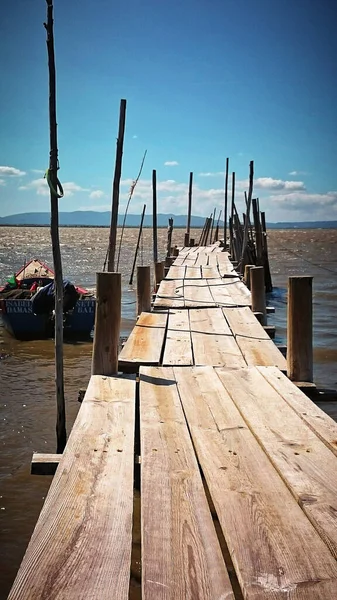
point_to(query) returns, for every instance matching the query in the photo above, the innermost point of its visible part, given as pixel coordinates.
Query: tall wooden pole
(299, 330)
(138, 242)
(232, 214)
(54, 230)
(107, 324)
(249, 201)
(154, 216)
(115, 189)
(226, 204)
(189, 210)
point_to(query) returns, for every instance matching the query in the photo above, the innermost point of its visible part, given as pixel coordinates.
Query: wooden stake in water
(189, 209)
(154, 216)
(54, 229)
(226, 204)
(115, 190)
(138, 242)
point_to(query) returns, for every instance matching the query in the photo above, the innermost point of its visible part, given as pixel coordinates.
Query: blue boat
(27, 302)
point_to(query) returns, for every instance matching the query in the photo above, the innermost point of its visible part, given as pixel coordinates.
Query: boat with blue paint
(27, 302)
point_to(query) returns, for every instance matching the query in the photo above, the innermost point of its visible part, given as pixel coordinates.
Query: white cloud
(171, 163)
(2, 182)
(217, 174)
(11, 172)
(38, 171)
(41, 187)
(296, 173)
(305, 201)
(96, 194)
(268, 183)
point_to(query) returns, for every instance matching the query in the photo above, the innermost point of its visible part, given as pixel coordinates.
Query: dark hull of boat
(20, 321)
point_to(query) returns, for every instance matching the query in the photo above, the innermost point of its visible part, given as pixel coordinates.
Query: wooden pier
(237, 466)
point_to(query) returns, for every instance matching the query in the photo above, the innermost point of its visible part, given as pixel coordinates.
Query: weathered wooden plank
(176, 272)
(254, 343)
(323, 425)
(210, 272)
(220, 292)
(193, 273)
(212, 340)
(170, 294)
(293, 448)
(225, 266)
(145, 342)
(212, 260)
(81, 545)
(238, 292)
(44, 464)
(197, 293)
(275, 550)
(202, 257)
(190, 259)
(178, 345)
(181, 556)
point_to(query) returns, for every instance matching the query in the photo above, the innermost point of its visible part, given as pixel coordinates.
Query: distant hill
(91, 218)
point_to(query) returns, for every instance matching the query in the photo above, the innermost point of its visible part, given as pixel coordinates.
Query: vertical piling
(257, 288)
(158, 273)
(299, 330)
(138, 242)
(247, 275)
(107, 323)
(154, 216)
(143, 289)
(115, 190)
(226, 204)
(189, 211)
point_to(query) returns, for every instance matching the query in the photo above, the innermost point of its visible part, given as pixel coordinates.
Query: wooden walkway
(238, 470)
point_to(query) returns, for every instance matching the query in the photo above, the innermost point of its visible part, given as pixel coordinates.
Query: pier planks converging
(223, 435)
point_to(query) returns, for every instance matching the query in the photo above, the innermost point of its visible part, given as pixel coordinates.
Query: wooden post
(257, 288)
(143, 289)
(154, 216)
(258, 236)
(212, 226)
(247, 275)
(250, 195)
(169, 238)
(115, 189)
(192, 240)
(175, 251)
(299, 333)
(54, 230)
(189, 211)
(203, 233)
(226, 205)
(232, 250)
(269, 284)
(107, 323)
(187, 240)
(158, 273)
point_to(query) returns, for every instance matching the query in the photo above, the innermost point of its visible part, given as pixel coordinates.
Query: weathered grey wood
(107, 324)
(275, 550)
(299, 330)
(115, 188)
(212, 340)
(295, 451)
(81, 545)
(145, 342)
(178, 345)
(170, 295)
(181, 556)
(193, 273)
(176, 272)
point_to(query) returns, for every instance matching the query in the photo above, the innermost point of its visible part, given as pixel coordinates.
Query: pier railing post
(257, 288)
(247, 275)
(158, 273)
(143, 289)
(299, 330)
(107, 323)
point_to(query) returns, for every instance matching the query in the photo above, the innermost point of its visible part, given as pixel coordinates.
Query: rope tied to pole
(59, 187)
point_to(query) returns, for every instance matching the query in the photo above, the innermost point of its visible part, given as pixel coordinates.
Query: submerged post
(257, 288)
(54, 230)
(143, 289)
(299, 330)
(107, 323)
(115, 190)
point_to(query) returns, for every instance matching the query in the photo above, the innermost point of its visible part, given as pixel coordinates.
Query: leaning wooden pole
(54, 229)
(138, 242)
(249, 201)
(154, 216)
(226, 205)
(115, 189)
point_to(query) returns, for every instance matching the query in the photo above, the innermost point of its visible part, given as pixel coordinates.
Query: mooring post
(158, 273)
(247, 275)
(257, 288)
(107, 323)
(143, 289)
(187, 240)
(299, 330)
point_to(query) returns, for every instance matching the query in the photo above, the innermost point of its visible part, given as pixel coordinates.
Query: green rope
(51, 187)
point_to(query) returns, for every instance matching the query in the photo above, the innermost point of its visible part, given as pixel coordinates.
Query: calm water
(27, 406)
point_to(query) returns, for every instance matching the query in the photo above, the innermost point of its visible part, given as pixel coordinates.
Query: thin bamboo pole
(54, 230)
(138, 242)
(115, 190)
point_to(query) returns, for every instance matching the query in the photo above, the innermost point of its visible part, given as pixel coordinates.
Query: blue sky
(203, 80)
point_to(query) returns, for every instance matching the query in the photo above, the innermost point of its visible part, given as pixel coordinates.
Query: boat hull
(20, 321)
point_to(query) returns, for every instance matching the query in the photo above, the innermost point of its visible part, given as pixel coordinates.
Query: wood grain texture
(178, 345)
(181, 556)
(220, 292)
(176, 272)
(210, 272)
(212, 340)
(193, 273)
(295, 451)
(275, 550)
(255, 344)
(145, 342)
(170, 294)
(81, 545)
(197, 294)
(323, 425)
